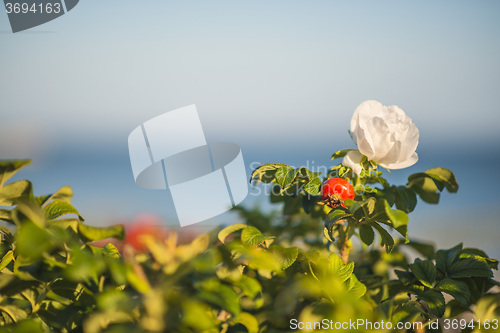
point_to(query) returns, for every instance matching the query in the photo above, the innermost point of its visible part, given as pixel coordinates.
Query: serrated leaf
(436, 302)
(285, 256)
(229, 230)
(366, 233)
(65, 194)
(266, 173)
(426, 189)
(57, 208)
(252, 236)
(385, 237)
(405, 199)
(457, 289)
(13, 191)
(368, 204)
(338, 268)
(313, 186)
(284, 176)
(307, 174)
(470, 252)
(397, 217)
(355, 288)
(469, 267)
(424, 271)
(446, 176)
(94, 233)
(444, 258)
(340, 153)
(418, 177)
(10, 168)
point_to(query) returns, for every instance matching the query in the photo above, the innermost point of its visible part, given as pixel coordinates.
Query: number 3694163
(40, 8)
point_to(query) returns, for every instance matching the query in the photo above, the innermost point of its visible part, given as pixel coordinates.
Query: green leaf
(249, 321)
(251, 236)
(65, 194)
(436, 302)
(91, 234)
(337, 267)
(469, 267)
(229, 230)
(457, 289)
(59, 208)
(446, 176)
(216, 293)
(368, 205)
(10, 168)
(313, 186)
(424, 271)
(444, 258)
(385, 237)
(6, 235)
(309, 201)
(470, 252)
(17, 190)
(426, 189)
(307, 174)
(249, 286)
(108, 251)
(355, 288)
(336, 215)
(285, 256)
(405, 198)
(266, 173)
(15, 313)
(284, 176)
(397, 217)
(259, 259)
(366, 233)
(341, 153)
(33, 241)
(196, 315)
(488, 307)
(404, 276)
(6, 260)
(407, 313)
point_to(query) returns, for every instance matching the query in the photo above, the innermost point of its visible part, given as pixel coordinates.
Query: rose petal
(353, 160)
(363, 145)
(381, 138)
(400, 165)
(363, 115)
(410, 143)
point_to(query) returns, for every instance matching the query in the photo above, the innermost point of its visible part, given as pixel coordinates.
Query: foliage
(256, 276)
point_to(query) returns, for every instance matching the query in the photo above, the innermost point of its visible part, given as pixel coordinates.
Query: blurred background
(279, 78)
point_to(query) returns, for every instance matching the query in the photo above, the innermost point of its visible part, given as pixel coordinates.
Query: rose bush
(277, 272)
(384, 134)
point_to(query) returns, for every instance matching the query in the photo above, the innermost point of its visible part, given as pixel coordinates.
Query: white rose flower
(384, 134)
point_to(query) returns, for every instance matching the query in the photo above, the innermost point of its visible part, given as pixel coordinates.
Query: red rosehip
(335, 191)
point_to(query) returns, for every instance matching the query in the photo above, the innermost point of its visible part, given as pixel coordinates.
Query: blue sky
(260, 72)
